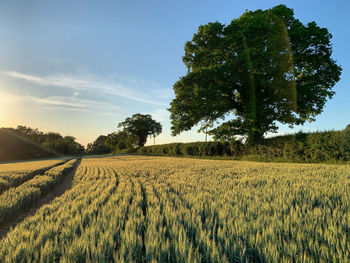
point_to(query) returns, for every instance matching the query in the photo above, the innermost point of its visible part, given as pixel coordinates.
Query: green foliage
(27, 143)
(99, 146)
(345, 141)
(194, 149)
(140, 126)
(328, 146)
(121, 145)
(113, 142)
(135, 131)
(264, 67)
(325, 146)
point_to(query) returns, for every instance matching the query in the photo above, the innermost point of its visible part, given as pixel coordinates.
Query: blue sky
(81, 67)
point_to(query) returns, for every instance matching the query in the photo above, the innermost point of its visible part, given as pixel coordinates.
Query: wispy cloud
(62, 103)
(18, 75)
(58, 101)
(106, 114)
(87, 83)
(65, 109)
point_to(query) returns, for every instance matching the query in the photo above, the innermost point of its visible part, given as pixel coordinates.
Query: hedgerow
(329, 146)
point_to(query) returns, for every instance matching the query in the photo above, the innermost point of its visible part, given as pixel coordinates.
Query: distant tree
(264, 67)
(111, 142)
(126, 140)
(112, 139)
(54, 141)
(100, 140)
(141, 126)
(121, 145)
(32, 143)
(71, 146)
(32, 134)
(99, 146)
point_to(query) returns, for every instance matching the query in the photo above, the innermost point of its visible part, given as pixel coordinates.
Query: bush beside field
(328, 146)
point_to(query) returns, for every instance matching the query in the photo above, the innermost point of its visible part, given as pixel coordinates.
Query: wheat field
(14, 174)
(162, 209)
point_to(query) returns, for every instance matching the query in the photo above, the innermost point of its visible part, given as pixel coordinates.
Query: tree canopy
(27, 143)
(111, 142)
(141, 126)
(264, 67)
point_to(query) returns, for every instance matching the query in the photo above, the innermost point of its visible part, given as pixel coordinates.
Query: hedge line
(301, 147)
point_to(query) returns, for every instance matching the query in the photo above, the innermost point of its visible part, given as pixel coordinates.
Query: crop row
(147, 209)
(254, 212)
(63, 221)
(12, 178)
(24, 196)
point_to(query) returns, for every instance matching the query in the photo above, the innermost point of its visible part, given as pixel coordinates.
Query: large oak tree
(264, 67)
(141, 126)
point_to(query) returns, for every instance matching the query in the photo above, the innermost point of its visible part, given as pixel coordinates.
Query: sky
(81, 67)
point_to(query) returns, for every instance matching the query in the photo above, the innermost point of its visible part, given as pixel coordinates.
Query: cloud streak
(86, 83)
(54, 101)
(62, 103)
(65, 109)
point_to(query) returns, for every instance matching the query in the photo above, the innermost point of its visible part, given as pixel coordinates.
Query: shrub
(300, 147)
(187, 149)
(121, 145)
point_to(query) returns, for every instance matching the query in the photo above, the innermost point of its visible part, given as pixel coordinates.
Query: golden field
(162, 209)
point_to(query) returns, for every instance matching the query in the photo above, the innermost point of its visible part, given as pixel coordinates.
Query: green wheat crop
(161, 209)
(16, 199)
(14, 174)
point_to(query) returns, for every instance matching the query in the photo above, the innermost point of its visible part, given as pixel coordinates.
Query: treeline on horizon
(324, 146)
(26, 143)
(321, 146)
(112, 142)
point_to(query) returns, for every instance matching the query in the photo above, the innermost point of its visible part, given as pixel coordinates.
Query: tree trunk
(255, 137)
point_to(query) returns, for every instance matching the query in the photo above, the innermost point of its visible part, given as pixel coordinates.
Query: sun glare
(2, 113)
(7, 113)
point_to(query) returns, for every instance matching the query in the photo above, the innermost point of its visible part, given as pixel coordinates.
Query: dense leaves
(134, 133)
(112, 142)
(141, 126)
(327, 146)
(264, 67)
(27, 143)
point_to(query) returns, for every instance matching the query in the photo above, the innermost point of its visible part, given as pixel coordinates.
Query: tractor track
(57, 191)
